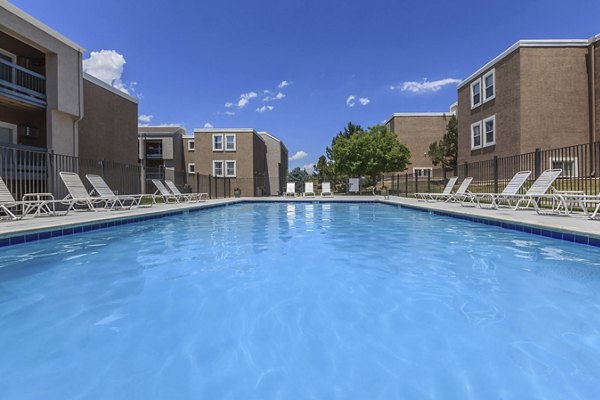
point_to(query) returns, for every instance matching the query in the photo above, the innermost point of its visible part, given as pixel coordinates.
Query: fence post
(406, 184)
(466, 169)
(103, 169)
(209, 186)
(496, 174)
(538, 163)
(50, 169)
(416, 182)
(398, 184)
(428, 181)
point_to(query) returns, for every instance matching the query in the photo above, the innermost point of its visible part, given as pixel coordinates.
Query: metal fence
(580, 165)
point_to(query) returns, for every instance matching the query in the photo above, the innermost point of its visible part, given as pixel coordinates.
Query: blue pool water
(300, 301)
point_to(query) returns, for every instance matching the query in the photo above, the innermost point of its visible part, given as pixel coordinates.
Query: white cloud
(364, 101)
(245, 99)
(143, 118)
(229, 113)
(350, 101)
(299, 155)
(425, 86)
(228, 104)
(208, 125)
(278, 96)
(265, 108)
(284, 84)
(310, 168)
(107, 65)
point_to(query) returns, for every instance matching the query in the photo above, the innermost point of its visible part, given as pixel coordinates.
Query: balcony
(21, 86)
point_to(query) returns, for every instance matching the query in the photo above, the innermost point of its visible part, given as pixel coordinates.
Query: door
(8, 133)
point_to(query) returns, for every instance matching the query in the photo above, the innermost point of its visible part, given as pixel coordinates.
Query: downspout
(592, 104)
(76, 122)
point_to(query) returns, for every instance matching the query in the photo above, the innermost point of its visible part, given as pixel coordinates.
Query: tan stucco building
(536, 94)
(161, 153)
(277, 163)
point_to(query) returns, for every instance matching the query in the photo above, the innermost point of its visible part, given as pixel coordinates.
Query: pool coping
(103, 220)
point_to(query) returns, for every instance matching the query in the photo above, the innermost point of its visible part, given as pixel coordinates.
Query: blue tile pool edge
(35, 235)
(568, 236)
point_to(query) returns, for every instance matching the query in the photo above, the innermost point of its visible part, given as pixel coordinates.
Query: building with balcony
(160, 152)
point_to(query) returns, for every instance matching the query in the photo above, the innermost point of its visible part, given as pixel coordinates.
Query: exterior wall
(63, 77)
(109, 128)
(22, 118)
(505, 106)
(189, 157)
(554, 98)
(283, 169)
(276, 164)
(262, 184)
(417, 133)
(596, 50)
(173, 159)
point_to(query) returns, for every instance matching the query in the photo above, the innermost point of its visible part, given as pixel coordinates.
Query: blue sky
(186, 60)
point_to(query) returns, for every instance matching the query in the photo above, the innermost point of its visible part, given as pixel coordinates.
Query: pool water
(300, 301)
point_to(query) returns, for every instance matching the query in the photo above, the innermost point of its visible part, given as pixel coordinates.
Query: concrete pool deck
(575, 227)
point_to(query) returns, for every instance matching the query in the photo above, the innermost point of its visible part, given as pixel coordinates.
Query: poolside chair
(309, 189)
(79, 196)
(433, 196)
(192, 197)
(290, 189)
(103, 190)
(164, 193)
(583, 200)
(31, 203)
(462, 192)
(326, 190)
(537, 191)
(508, 193)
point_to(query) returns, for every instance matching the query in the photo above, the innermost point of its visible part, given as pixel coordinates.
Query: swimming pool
(298, 301)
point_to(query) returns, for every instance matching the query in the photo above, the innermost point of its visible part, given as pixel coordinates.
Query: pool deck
(563, 227)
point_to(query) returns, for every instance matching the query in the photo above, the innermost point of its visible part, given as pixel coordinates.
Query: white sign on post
(354, 185)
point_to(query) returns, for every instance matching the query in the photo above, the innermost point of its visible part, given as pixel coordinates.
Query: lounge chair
(103, 190)
(290, 189)
(462, 192)
(537, 191)
(434, 196)
(583, 200)
(192, 197)
(508, 193)
(79, 196)
(164, 193)
(326, 190)
(309, 189)
(36, 203)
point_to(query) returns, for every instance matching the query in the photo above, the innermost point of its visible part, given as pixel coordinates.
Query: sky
(301, 69)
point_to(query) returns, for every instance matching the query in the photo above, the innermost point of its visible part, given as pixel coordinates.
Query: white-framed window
(489, 131)
(8, 133)
(489, 85)
(217, 142)
(476, 93)
(217, 168)
(569, 165)
(423, 172)
(191, 168)
(230, 142)
(230, 168)
(476, 135)
(10, 57)
(191, 145)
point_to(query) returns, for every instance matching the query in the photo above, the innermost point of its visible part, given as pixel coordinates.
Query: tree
(369, 153)
(324, 170)
(348, 131)
(299, 176)
(445, 151)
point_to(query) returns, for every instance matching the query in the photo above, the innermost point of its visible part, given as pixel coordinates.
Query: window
(569, 165)
(191, 145)
(230, 169)
(218, 168)
(476, 93)
(230, 142)
(191, 168)
(489, 85)
(423, 172)
(217, 142)
(476, 135)
(489, 131)
(8, 133)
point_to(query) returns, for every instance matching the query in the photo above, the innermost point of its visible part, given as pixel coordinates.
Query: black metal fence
(580, 165)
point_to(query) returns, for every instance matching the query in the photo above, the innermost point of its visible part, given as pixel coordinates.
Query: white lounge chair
(290, 189)
(164, 193)
(103, 190)
(462, 192)
(309, 189)
(583, 200)
(537, 191)
(508, 193)
(35, 203)
(192, 197)
(441, 196)
(79, 196)
(326, 190)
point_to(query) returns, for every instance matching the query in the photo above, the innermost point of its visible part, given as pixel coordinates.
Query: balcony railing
(22, 84)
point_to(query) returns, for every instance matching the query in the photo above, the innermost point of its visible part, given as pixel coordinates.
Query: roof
(157, 130)
(273, 137)
(40, 25)
(418, 114)
(223, 130)
(529, 43)
(98, 82)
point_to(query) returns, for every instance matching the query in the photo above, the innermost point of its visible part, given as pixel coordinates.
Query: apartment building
(277, 164)
(536, 94)
(417, 131)
(238, 153)
(160, 152)
(47, 103)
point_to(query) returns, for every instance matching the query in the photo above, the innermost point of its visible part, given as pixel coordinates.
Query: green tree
(323, 170)
(299, 176)
(348, 131)
(369, 153)
(445, 151)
